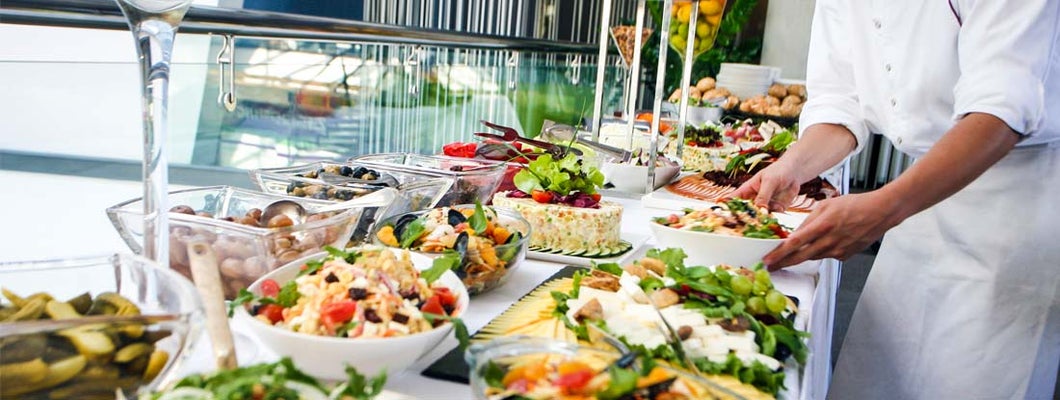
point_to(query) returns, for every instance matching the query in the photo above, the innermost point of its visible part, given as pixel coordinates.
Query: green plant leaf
(478, 221)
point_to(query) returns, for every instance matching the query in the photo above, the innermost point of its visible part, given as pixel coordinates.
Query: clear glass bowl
(473, 179)
(476, 273)
(416, 192)
(510, 351)
(91, 357)
(245, 252)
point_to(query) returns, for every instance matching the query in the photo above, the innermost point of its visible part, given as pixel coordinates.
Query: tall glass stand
(154, 27)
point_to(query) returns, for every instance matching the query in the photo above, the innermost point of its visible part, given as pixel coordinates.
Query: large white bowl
(326, 357)
(707, 248)
(633, 178)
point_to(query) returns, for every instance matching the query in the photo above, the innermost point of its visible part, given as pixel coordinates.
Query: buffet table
(812, 282)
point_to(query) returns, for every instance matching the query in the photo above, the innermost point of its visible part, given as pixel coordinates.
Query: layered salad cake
(567, 216)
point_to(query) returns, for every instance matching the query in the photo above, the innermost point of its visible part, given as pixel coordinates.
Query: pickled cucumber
(86, 361)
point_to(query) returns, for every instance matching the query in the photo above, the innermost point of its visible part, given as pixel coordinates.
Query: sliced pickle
(59, 310)
(155, 364)
(122, 305)
(132, 352)
(22, 348)
(57, 373)
(93, 344)
(7, 311)
(96, 371)
(25, 372)
(13, 298)
(81, 303)
(30, 310)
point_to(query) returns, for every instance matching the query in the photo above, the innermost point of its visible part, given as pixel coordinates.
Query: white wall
(77, 92)
(787, 36)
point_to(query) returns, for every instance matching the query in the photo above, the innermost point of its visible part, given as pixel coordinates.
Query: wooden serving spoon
(207, 278)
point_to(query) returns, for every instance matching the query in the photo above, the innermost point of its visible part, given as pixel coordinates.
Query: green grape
(759, 288)
(757, 306)
(702, 29)
(741, 286)
(682, 31)
(776, 302)
(762, 275)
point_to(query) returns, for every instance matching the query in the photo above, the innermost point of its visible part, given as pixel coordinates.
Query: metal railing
(104, 14)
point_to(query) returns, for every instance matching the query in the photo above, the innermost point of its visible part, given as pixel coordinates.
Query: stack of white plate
(747, 80)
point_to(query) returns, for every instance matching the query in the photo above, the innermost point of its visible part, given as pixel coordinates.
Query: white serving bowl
(326, 357)
(708, 248)
(633, 178)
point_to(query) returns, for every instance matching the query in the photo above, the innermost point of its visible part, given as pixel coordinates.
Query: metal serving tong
(512, 135)
(674, 339)
(567, 133)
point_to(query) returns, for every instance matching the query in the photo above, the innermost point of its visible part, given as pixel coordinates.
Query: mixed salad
(584, 377)
(729, 320)
(279, 380)
(564, 181)
(735, 217)
(364, 293)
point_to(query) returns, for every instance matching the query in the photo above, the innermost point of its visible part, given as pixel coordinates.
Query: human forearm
(821, 147)
(967, 150)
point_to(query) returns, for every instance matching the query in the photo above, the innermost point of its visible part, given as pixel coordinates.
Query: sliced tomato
(433, 306)
(460, 149)
(542, 196)
(574, 380)
(339, 311)
(445, 296)
(269, 288)
(777, 229)
(272, 311)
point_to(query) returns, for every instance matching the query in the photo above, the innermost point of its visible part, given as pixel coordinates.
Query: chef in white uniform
(963, 301)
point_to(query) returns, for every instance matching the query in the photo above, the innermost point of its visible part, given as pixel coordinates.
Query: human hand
(774, 187)
(837, 228)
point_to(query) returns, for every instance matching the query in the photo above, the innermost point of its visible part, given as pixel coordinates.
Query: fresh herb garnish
(463, 337)
(244, 297)
(360, 387)
(288, 295)
(478, 222)
(348, 256)
(412, 231)
(611, 268)
(449, 260)
(493, 374)
(623, 382)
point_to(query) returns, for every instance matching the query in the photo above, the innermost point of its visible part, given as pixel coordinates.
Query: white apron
(963, 301)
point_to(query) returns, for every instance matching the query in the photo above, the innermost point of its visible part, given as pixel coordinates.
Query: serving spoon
(297, 213)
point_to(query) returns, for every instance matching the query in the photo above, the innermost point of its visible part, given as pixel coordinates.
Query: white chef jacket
(909, 68)
(963, 301)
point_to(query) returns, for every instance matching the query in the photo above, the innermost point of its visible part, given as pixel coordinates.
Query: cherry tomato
(595, 196)
(445, 296)
(542, 196)
(433, 306)
(574, 380)
(339, 311)
(778, 230)
(272, 311)
(269, 288)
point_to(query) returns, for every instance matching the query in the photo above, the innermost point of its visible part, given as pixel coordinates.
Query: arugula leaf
(623, 382)
(288, 295)
(447, 261)
(348, 256)
(780, 141)
(412, 232)
(244, 297)
(792, 339)
(493, 374)
(460, 332)
(477, 222)
(611, 268)
(359, 387)
(311, 267)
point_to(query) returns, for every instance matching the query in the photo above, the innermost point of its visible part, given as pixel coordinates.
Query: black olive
(358, 172)
(751, 212)
(449, 308)
(401, 318)
(358, 294)
(291, 187)
(322, 195)
(346, 171)
(410, 294)
(331, 278)
(371, 316)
